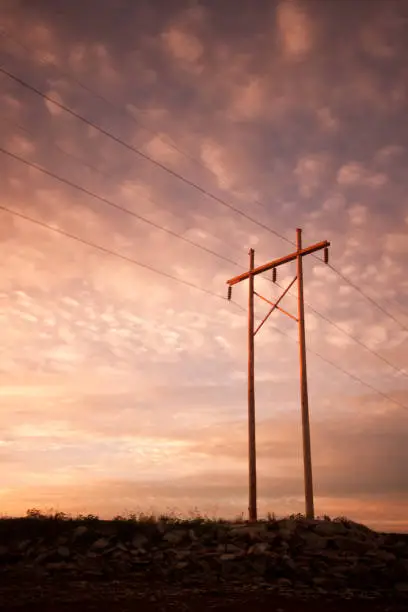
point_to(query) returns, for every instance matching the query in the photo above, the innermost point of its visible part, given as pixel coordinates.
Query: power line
(123, 110)
(356, 378)
(171, 143)
(351, 336)
(76, 158)
(176, 235)
(370, 299)
(144, 156)
(187, 181)
(358, 341)
(346, 372)
(361, 292)
(180, 237)
(106, 175)
(107, 251)
(112, 204)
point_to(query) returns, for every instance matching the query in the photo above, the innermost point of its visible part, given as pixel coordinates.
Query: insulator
(326, 255)
(229, 292)
(274, 275)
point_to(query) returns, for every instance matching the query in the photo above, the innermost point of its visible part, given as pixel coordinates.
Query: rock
(351, 544)
(329, 529)
(79, 531)
(285, 534)
(260, 548)
(357, 527)
(287, 525)
(100, 544)
(56, 565)
(92, 554)
(229, 548)
(311, 557)
(7, 556)
(284, 582)
(228, 557)
(252, 532)
(289, 562)
(63, 551)
(381, 555)
(192, 535)
(23, 545)
(176, 536)
(181, 565)
(139, 541)
(313, 540)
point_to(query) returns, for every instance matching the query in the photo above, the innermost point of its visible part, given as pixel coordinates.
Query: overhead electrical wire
(369, 298)
(107, 251)
(141, 154)
(112, 204)
(121, 110)
(187, 181)
(180, 237)
(351, 336)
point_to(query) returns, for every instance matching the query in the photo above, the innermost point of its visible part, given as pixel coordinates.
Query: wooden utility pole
(251, 396)
(304, 398)
(250, 275)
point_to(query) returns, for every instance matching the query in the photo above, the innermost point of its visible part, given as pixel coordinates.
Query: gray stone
(353, 545)
(139, 541)
(285, 534)
(100, 544)
(229, 557)
(254, 532)
(63, 551)
(176, 536)
(259, 548)
(382, 555)
(229, 548)
(320, 554)
(23, 545)
(329, 529)
(283, 582)
(287, 524)
(56, 565)
(313, 540)
(79, 531)
(192, 535)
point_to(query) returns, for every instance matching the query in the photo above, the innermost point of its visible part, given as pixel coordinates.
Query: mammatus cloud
(132, 386)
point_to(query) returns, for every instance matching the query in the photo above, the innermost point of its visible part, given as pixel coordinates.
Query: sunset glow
(124, 389)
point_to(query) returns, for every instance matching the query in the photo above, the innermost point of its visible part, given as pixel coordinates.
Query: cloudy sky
(124, 389)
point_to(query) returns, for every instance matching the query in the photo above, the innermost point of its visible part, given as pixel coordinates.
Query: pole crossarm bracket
(278, 262)
(275, 305)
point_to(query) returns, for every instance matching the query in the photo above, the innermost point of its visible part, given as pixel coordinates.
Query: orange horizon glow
(124, 368)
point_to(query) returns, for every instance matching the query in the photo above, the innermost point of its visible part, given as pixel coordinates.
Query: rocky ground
(284, 565)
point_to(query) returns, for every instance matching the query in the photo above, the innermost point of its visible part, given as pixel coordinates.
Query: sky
(123, 389)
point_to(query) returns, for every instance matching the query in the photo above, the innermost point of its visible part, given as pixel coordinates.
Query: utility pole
(304, 398)
(250, 275)
(251, 395)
